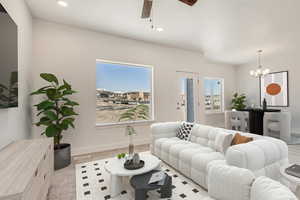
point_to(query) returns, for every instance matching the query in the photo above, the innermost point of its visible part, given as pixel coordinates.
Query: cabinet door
(33, 188)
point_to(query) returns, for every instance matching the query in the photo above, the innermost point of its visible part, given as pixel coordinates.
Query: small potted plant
(56, 113)
(139, 112)
(238, 101)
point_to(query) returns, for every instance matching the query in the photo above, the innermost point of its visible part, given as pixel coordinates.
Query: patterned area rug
(92, 183)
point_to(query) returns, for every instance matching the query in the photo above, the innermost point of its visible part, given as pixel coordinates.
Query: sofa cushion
(158, 144)
(186, 155)
(201, 160)
(204, 135)
(199, 166)
(265, 188)
(241, 139)
(229, 183)
(184, 131)
(165, 148)
(175, 151)
(223, 141)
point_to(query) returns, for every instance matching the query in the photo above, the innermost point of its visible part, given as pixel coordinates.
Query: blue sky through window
(123, 78)
(212, 85)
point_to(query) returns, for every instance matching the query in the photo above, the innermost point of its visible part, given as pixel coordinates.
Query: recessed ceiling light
(62, 3)
(159, 29)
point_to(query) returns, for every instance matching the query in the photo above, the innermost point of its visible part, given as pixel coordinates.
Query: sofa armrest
(265, 188)
(164, 130)
(262, 156)
(229, 183)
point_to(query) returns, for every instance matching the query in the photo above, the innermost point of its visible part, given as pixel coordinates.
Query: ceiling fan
(146, 13)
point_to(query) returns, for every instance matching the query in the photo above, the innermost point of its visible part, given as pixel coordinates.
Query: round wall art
(273, 89)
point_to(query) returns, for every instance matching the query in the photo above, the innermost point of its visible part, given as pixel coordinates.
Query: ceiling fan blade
(147, 9)
(189, 2)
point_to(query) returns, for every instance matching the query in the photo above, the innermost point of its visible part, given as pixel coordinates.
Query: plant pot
(62, 155)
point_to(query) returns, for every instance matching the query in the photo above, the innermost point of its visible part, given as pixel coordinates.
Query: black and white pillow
(184, 131)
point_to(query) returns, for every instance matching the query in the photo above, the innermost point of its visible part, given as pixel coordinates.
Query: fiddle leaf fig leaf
(71, 103)
(44, 105)
(67, 122)
(40, 91)
(53, 94)
(67, 85)
(52, 130)
(44, 121)
(67, 111)
(68, 92)
(51, 115)
(49, 77)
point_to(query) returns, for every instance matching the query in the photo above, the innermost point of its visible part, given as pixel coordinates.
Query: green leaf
(53, 94)
(64, 126)
(49, 77)
(45, 110)
(62, 87)
(44, 121)
(66, 123)
(52, 130)
(71, 124)
(44, 105)
(67, 85)
(71, 103)
(40, 91)
(67, 111)
(51, 115)
(68, 92)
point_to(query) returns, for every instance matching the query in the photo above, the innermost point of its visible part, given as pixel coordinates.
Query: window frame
(221, 110)
(152, 115)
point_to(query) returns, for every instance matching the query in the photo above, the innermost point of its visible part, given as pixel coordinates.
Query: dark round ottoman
(141, 186)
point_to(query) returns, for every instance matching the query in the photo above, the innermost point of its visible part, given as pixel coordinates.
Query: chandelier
(259, 72)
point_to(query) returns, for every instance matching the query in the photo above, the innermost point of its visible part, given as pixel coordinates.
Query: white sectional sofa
(263, 156)
(232, 183)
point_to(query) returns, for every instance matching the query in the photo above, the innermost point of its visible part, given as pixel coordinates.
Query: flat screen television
(8, 60)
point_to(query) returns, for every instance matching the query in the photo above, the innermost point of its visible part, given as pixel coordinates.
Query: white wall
(289, 59)
(15, 123)
(71, 53)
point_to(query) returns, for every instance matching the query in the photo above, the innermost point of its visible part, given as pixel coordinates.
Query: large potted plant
(238, 101)
(56, 113)
(139, 112)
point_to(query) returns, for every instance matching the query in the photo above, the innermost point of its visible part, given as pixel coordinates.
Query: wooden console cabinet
(26, 170)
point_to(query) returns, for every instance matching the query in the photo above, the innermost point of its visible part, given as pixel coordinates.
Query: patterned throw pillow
(184, 131)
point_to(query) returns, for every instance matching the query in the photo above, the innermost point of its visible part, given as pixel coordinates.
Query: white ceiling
(227, 31)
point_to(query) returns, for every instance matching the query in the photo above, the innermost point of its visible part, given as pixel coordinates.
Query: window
(124, 93)
(213, 95)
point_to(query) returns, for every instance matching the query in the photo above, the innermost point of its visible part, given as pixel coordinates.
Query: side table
(295, 181)
(141, 186)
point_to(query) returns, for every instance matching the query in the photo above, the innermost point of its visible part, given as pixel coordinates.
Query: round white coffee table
(117, 171)
(295, 181)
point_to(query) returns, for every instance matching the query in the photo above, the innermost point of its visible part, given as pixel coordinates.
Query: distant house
(124, 96)
(137, 96)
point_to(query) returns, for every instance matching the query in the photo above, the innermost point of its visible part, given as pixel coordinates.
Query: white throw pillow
(223, 141)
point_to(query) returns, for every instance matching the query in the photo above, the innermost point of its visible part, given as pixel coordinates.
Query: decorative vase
(131, 146)
(264, 104)
(130, 132)
(136, 159)
(62, 156)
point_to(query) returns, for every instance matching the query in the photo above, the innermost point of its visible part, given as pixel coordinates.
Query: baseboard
(107, 147)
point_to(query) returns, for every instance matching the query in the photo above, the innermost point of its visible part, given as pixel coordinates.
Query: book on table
(157, 178)
(293, 170)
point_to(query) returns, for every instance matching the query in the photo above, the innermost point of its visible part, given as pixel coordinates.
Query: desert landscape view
(111, 104)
